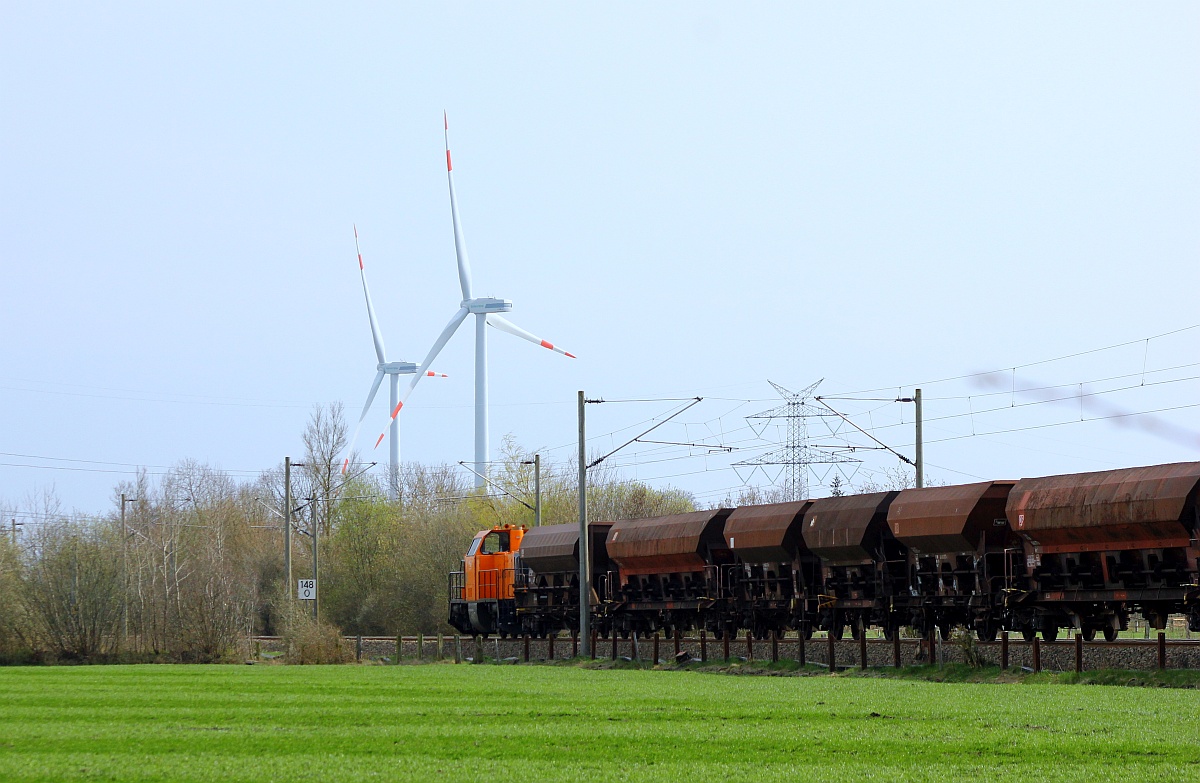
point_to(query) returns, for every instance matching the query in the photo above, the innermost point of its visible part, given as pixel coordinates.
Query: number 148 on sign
(306, 589)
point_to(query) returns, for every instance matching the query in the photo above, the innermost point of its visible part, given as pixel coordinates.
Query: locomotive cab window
(474, 547)
(495, 542)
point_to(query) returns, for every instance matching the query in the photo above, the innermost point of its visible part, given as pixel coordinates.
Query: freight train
(1079, 551)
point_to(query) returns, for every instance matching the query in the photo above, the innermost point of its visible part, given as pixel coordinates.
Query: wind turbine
(487, 313)
(391, 369)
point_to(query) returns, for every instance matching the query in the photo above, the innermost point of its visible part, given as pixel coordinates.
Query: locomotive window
(495, 542)
(474, 547)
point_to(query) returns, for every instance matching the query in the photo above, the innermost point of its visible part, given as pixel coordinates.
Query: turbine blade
(460, 244)
(375, 335)
(370, 398)
(505, 325)
(442, 339)
(432, 374)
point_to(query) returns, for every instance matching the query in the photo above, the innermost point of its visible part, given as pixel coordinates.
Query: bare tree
(72, 587)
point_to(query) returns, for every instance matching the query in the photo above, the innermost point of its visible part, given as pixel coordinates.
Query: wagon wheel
(1049, 632)
(1027, 634)
(856, 628)
(1110, 633)
(836, 631)
(1089, 634)
(986, 631)
(944, 631)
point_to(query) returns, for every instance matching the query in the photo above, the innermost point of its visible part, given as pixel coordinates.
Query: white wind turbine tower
(391, 369)
(487, 313)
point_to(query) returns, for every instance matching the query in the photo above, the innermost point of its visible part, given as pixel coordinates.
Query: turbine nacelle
(487, 304)
(397, 368)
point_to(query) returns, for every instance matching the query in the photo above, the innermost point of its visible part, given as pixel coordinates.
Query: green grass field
(559, 723)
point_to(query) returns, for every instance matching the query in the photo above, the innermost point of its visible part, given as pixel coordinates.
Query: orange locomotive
(481, 594)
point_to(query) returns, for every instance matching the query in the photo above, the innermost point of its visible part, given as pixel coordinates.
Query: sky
(693, 198)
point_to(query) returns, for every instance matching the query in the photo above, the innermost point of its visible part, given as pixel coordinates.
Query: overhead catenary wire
(1140, 340)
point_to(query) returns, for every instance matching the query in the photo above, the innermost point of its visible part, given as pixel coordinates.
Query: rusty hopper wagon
(858, 554)
(961, 556)
(1098, 545)
(667, 570)
(546, 587)
(772, 585)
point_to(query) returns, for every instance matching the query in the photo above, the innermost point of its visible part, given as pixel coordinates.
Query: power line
(1015, 367)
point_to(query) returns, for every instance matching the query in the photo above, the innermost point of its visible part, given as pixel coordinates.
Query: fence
(1066, 655)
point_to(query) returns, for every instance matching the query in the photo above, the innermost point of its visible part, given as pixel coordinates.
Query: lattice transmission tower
(797, 455)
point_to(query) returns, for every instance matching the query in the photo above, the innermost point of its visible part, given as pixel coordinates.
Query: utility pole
(124, 570)
(585, 582)
(313, 521)
(537, 490)
(920, 442)
(287, 525)
(14, 531)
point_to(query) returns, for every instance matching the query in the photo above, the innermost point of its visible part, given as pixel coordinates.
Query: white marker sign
(306, 589)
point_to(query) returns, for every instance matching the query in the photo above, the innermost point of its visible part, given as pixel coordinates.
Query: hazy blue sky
(694, 198)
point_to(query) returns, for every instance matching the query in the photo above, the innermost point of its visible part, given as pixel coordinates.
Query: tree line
(188, 566)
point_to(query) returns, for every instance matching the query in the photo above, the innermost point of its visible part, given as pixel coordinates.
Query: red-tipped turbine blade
(375, 335)
(505, 325)
(370, 398)
(460, 243)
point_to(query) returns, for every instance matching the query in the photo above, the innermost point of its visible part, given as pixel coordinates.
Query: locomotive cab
(481, 594)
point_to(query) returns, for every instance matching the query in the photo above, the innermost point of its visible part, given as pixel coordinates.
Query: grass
(561, 723)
